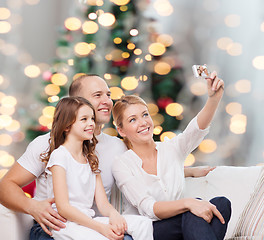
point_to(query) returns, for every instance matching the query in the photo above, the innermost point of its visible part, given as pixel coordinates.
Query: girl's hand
(118, 223)
(108, 231)
(204, 209)
(215, 86)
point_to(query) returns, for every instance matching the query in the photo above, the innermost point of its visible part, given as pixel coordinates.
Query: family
(76, 165)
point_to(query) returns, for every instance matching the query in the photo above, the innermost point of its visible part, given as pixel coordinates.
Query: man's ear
(120, 131)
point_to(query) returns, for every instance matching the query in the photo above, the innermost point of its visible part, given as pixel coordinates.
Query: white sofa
(236, 183)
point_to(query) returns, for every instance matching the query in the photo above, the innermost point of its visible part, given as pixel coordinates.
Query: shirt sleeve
(57, 158)
(190, 138)
(133, 189)
(30, 160)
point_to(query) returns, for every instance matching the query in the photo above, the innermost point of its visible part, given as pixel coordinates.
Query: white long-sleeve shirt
(141, 189)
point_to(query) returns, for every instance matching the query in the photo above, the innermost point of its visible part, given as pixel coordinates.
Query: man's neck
(98, 129)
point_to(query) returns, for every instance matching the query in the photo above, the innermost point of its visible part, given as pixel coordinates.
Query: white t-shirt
(107, 148)
(141, 189)
(81, 180)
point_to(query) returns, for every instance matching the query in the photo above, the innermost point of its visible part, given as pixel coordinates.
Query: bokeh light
(234, 49)
(48, 111)
(5, 139)
(174, 109)
(82, 49)
(243, 86)
(120, 2)
(116, 93)
(168, 135)
(90, 27)
(198, 88)
(157, 49)
(238, 124)
(129, 83)
(157, 130)
(224, 42)
(73, 23)
(52, 89)
(4, 13)
(258, 62)
(234, 108)
(208, 146)
(8, 101)
(189, 161)
(5, 27)
(162, 68)
(106, 19)
(32, 71)
(165, 39)
(232, 20)
(13, 126)
(59, 79)
(153, 109)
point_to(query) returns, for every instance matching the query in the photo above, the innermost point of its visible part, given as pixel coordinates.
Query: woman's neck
(144, 150)
(148, 154)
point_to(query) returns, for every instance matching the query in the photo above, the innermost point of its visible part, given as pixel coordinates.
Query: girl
(74, 178)
(151, 175)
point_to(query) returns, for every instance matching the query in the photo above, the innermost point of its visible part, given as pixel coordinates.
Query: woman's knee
(223, 205)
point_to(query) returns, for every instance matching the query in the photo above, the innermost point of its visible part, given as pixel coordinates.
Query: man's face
(96, 91)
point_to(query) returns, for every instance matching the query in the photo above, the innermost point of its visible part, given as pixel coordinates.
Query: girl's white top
(80, 180)
(141, 189)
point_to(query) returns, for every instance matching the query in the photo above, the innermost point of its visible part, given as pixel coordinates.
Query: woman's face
(137, 124)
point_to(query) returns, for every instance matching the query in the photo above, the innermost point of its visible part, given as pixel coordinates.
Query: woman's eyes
(132, 120)
(145, 115)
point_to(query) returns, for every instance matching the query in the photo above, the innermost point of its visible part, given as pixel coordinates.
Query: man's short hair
(76, 85)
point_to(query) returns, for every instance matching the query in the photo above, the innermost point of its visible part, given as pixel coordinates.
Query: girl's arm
(197, 171)
(71, 213)
(106, 209)
(215, 87)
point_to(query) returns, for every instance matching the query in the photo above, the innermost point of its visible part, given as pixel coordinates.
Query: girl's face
(83, 127)
(137, 124)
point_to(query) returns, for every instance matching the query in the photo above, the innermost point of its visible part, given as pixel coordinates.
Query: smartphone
(200, 71)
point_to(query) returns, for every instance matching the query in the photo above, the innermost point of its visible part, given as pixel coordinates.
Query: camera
(200, 71)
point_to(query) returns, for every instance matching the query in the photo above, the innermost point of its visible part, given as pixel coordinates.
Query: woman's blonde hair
(119, 108)
(64, 116)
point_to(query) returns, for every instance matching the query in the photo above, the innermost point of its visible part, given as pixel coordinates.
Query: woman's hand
(109, 232)
(215, 86)
(118, 223)
(197, 171)
(204, 209)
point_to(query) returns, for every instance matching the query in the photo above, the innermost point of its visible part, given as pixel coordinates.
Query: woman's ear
(120, 131)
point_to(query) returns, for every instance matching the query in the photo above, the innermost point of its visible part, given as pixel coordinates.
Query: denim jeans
(187, 226)
(37, 233)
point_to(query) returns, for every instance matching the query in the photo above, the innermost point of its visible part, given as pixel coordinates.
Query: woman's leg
(224, 207)
(169, 229)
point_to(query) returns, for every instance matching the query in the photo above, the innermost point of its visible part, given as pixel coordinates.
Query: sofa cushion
(251, 221)
(235, 183)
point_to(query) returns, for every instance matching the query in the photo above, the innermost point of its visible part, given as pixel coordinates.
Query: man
(29, 167)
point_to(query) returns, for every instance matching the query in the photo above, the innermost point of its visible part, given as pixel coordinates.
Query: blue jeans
(187, 226)
(37, 233)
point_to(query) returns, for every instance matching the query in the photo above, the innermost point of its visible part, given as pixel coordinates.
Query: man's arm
(13, 197)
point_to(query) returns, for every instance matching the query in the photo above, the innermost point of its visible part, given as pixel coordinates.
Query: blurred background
(144, 47)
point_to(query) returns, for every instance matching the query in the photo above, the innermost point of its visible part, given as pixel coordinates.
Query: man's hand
(47, 217)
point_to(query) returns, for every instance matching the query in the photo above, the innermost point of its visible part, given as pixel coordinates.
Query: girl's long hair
(64, 116)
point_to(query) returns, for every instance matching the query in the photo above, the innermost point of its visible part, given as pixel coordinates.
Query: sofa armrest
(14, 225)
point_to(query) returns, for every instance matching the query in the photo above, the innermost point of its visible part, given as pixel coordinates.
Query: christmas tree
(116, 41)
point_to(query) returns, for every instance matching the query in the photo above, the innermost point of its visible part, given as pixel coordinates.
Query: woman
(151, 175)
